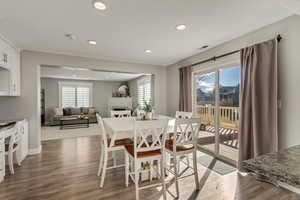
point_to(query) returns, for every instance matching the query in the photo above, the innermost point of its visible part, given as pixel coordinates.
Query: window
(144, 90)
(75, 94)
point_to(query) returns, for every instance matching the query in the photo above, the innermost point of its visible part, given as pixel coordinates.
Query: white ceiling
(85, 74)
(128, 27)
(293, 5)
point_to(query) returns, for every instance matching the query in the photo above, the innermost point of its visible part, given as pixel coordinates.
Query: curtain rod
(223, 55)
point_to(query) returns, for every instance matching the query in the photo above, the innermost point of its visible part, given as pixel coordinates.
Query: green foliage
(147, 106)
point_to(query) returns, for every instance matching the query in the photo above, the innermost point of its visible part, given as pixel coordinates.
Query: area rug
(215, 165)
(54, 132)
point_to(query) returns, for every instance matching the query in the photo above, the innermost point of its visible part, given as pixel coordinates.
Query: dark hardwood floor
(66, 169)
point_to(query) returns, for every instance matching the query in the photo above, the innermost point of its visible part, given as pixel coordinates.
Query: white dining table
(122, 128)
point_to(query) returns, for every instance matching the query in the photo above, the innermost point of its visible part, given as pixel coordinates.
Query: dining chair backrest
(19, 132)
(15, 134)
(183, 115)
(120, 114)
(150, 135)
(103, 130)
(186, 131)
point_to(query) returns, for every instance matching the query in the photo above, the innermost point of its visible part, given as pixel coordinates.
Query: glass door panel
(205, 87)
(229, 91)
(216, 102)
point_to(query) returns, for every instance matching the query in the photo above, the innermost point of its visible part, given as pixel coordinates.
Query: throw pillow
(67, 111)
(58, 111)
(92, 111)
(85, 110)
(75, 111)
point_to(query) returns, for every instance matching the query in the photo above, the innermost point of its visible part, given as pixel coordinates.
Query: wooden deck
(228, 146)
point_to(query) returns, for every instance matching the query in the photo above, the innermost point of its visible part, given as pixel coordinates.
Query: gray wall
(102, 91)
(28, 104)
(289, 73)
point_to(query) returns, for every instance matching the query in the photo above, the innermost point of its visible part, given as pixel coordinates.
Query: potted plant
(148, 110)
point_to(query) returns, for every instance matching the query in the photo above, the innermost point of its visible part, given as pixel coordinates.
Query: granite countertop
(7, 124)
(281, 166)
(4, 128)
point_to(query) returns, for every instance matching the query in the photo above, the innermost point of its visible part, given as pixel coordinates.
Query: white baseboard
(35, 150)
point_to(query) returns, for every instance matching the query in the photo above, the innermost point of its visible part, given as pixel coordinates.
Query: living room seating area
(56, 114)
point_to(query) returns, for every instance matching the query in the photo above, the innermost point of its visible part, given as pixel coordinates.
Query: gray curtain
(185, 93)
(258, 104)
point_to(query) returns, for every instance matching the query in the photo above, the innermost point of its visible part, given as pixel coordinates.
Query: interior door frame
(213, 67)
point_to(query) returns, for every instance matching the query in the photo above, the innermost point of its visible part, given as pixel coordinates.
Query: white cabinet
(9, 69)
(21, 152)
(15, 74)
(23, 149)
(2, 157)
(4, 48)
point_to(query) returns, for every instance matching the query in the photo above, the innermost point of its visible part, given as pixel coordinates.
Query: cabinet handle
(5, 58)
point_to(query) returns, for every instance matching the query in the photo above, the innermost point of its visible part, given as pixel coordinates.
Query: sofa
(55, 114)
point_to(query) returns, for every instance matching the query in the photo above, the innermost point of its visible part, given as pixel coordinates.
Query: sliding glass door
(216, 102)
(205, 108)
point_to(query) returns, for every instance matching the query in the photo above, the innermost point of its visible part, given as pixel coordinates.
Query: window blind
(75, 94)
(144, 91)
(83, 97)
(68, 96)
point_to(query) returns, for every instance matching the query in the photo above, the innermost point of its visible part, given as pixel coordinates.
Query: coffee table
(74, 122)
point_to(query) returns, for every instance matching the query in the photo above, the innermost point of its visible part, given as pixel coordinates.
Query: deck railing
(228, 116)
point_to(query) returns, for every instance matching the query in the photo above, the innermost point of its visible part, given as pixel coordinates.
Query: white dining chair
(183, 142)
(13, 145)
(148, 147)
(120, 114)
(107, 145)
(183, 115)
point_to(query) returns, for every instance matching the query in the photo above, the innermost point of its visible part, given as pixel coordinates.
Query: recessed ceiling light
(203, 47)
(92, 42)
(99, 5)
(181, 27)
(71, 36)
(148, 51)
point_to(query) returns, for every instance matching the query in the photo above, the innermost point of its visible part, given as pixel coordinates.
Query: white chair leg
(162, 177)
(151, 170)
(11, 162)
(159, 168)
(136, 179)
(195, 169)
(103, 169)
(168, 163)
(114, 158)
(101, 162)
(18, 159)
(126, 169)
(187, 160)
(176, 174)
(178, 164)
